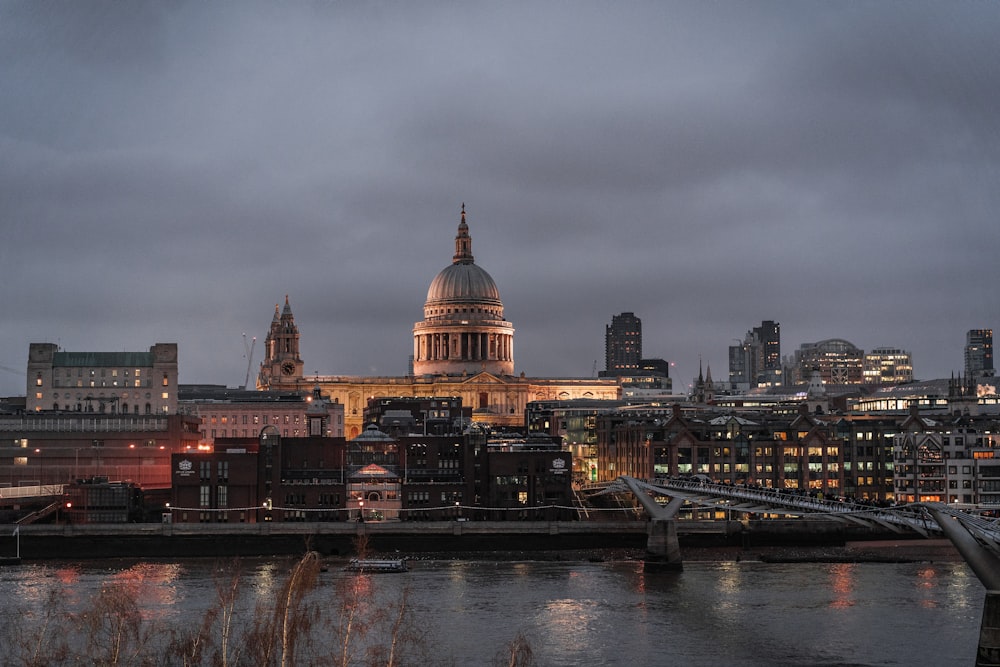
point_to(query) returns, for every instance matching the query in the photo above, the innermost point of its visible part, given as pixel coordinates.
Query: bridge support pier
(988, 653)
(663, 551)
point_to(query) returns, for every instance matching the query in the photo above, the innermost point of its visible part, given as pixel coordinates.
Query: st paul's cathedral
(463, 347)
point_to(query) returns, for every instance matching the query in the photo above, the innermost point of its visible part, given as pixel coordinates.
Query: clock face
(288, 368)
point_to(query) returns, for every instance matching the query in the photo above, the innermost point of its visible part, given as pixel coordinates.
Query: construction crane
(248, 355)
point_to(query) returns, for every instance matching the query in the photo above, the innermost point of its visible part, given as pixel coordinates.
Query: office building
(137, 383)
(979, 353)
(622, 345)
(756, 361)
(888, 365)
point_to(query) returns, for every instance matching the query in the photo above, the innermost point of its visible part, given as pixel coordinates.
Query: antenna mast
(248, 355)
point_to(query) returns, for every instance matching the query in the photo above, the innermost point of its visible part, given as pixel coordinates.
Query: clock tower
(282, 364)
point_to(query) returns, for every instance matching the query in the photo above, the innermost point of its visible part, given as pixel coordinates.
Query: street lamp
(361, 511)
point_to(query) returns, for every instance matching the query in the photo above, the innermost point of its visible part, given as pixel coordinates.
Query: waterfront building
(979, 353)
(53, 448)
(527, 479)
(574, 423)
(622, 345)
(138, 383)
(867, 443)
(374, 476)
(792, 453)
(462, 348)
(888, 365)
(951, 460)
(97, 500)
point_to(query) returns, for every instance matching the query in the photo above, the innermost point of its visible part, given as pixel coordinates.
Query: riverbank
(778, 541)
(876, 551)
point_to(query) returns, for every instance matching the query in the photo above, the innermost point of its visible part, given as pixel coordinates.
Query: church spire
(463, 243)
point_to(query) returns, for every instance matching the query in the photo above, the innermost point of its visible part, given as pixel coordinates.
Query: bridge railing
(905, 515)
(32, 491)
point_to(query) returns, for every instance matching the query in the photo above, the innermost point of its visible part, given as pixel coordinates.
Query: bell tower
(282, 364)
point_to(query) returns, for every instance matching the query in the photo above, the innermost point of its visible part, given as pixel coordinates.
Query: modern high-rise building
(622, 345)
(979, 353)
(838, 361)
(757, 360)
(888, 365)
(768, 337)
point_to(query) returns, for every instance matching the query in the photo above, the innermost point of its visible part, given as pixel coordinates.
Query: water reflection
(749, 614)
(842, 584)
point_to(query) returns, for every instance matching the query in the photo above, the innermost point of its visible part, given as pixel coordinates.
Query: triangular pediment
(373, 470)
(483, 378)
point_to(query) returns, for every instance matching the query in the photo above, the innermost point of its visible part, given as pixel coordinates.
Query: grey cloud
(169, 171)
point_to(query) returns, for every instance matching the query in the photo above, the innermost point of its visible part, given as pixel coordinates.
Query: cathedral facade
(463, 347)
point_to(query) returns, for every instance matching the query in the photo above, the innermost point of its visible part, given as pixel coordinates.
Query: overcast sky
(169, 171)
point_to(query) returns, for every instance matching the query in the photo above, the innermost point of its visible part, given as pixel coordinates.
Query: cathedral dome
(461, 283)
(463, 330)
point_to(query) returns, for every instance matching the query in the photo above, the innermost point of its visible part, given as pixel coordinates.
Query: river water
(599, 613)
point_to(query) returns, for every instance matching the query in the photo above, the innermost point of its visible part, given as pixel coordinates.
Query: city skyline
(170, 172)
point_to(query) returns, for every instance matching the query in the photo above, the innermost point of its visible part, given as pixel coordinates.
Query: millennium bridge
(976, 537)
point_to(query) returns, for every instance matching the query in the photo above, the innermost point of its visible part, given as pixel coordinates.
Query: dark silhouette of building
(757, 360)
(375, 476)
(622, 345)
(405, 415)
(979, 353)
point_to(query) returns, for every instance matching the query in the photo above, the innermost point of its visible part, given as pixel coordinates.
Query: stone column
(663, 551)
(988, 654)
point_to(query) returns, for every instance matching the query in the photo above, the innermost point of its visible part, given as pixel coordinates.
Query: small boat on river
(377, 565)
